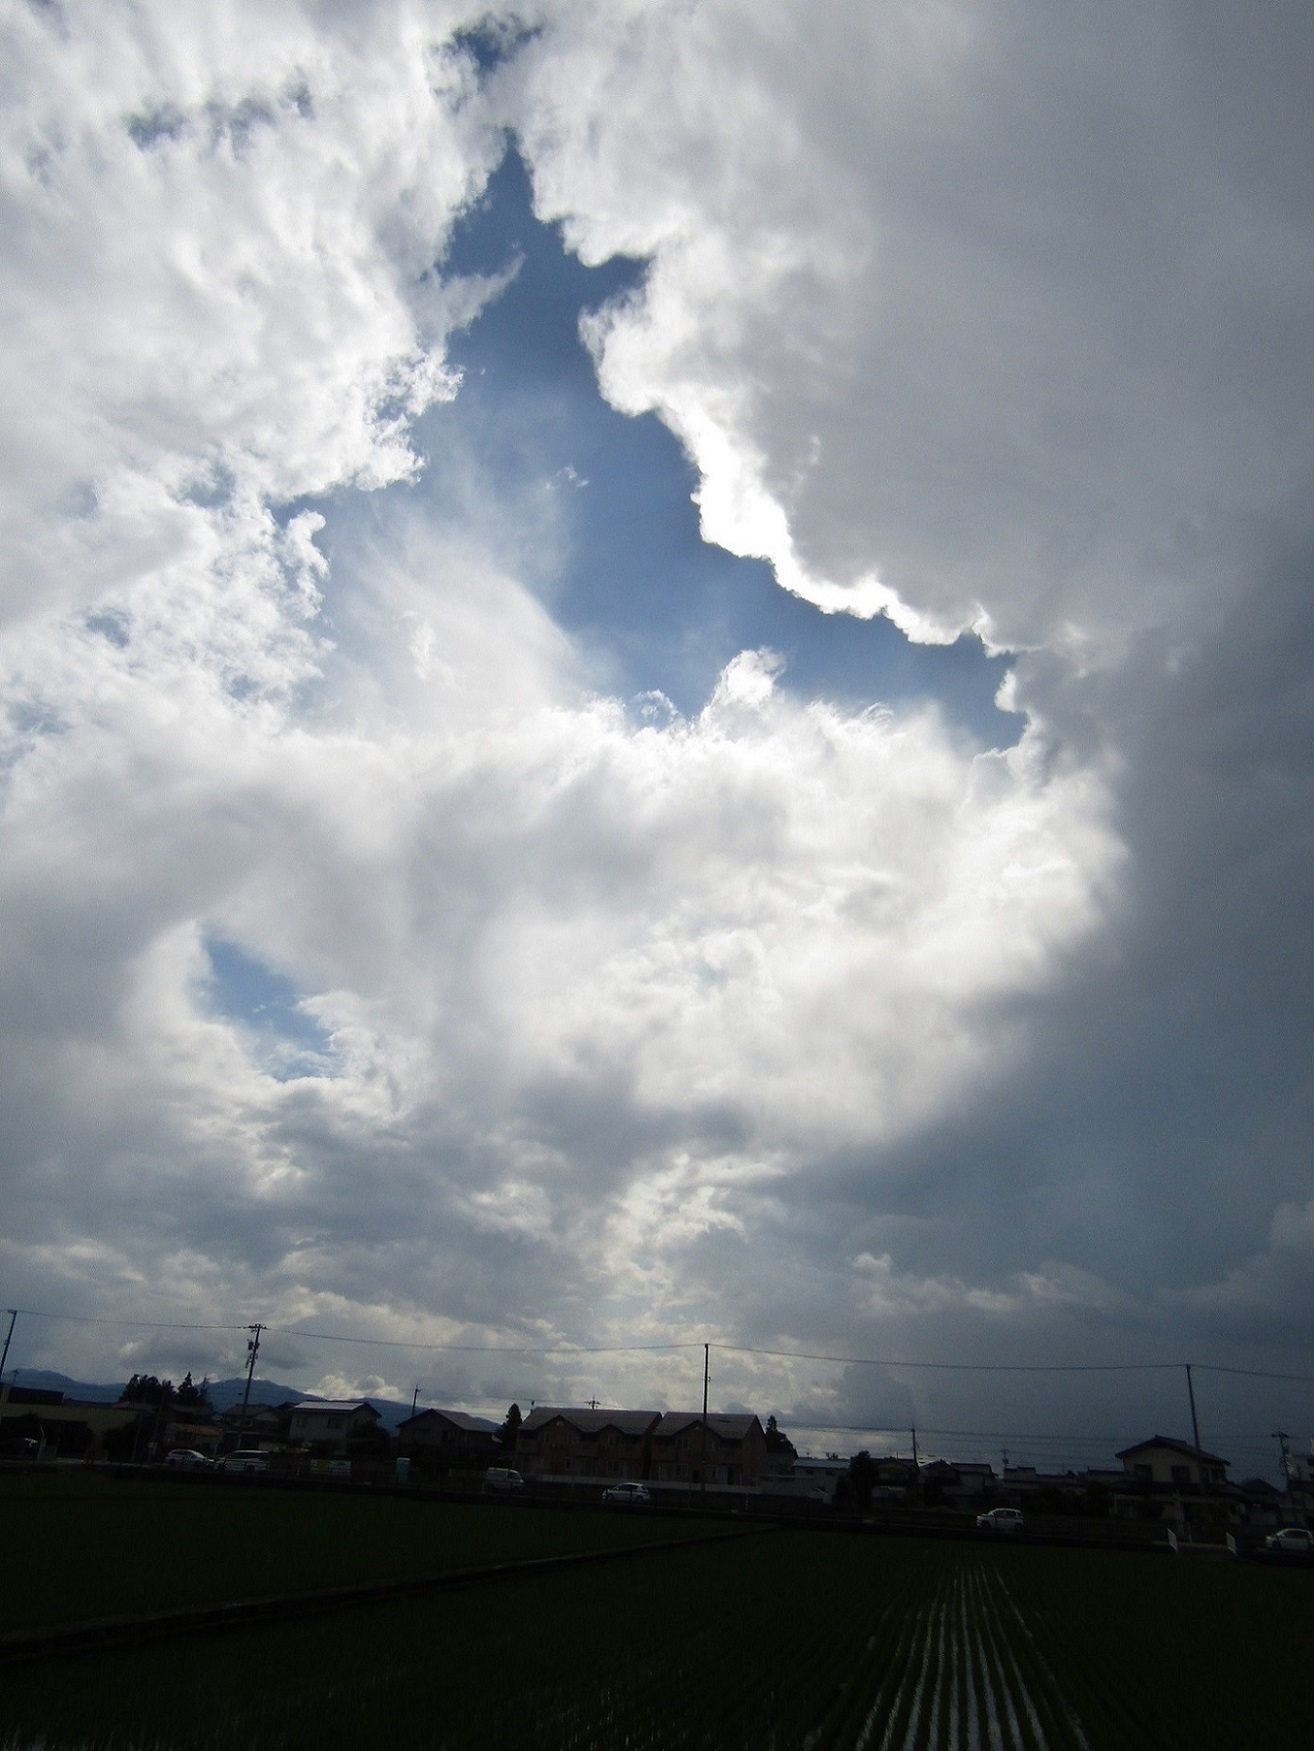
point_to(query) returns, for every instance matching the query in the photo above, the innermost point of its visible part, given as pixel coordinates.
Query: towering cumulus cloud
(368, 964)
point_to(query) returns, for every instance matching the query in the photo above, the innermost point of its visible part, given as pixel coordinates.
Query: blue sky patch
(650, 604)
(288, 1043)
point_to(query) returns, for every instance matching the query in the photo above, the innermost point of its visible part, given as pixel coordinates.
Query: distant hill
(223, 1394)
(46, 1381)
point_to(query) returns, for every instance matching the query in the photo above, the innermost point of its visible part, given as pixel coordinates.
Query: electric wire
(671, 1346)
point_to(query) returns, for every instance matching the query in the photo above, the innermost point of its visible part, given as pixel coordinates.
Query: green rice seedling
(789, 1642)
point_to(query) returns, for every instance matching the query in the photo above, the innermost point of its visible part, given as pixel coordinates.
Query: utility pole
(707, 1353)
(1281, 1437)
(4, 1354)
(1190, 1393)
(252, 1351)
(160, 1409)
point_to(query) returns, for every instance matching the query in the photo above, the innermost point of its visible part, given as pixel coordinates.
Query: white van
(502, 1479)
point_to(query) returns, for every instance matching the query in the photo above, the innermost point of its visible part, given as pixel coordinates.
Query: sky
(655, 666)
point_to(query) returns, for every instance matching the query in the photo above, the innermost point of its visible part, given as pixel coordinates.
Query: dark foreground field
(777, 1641)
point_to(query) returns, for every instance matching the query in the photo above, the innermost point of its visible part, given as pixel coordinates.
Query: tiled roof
(461, 1419)
(729, 1428)
(336, 1407)
(590, 1422)
(1176, 1446)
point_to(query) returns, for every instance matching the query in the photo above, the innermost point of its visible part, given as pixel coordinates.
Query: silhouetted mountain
(48, 1381)
(223, 1394)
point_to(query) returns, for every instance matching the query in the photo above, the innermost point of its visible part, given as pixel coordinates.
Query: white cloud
(939, 296)
(642, 1025)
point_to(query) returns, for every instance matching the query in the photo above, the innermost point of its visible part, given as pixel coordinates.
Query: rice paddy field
(782, 1641)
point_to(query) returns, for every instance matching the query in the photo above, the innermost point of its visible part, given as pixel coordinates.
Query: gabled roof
(332, 1407)
(460, 1419)
(726, 1427)
(1175, 1446)
(590, 1422)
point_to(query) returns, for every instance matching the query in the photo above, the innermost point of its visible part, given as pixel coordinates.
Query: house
(1165, 1463)
(688, 1448)
(957, 1482)
(810, 1478)
(326, 1425)
(259, 1425)
(438, 1440)
(199, 1437)
(586, 1443)
(72, 1429)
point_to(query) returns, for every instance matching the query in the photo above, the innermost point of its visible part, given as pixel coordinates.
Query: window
(1181, 1474)
(1144, 1472)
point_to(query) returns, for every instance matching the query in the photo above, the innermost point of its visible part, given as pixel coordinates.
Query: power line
(1252, 1373)
(958, 1367)
(103, 1319)
(1081, 1438)
(1013, 1367)
(484, 1349)
(570, 1349)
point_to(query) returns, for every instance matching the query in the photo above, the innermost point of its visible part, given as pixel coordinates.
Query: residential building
(816, 1479)
(259, 1425)
(1163, 1462)
(73, 1429)
(585, 1443)
(688, 1448)
(327, 1425)
(441, 1441)
(957, 1482)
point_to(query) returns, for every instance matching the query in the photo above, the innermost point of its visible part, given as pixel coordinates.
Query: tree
(777, 1441)
(146, 1389)
(506, 1435)
(374, 1443)
(121, 1444)
(193, 1397)
(861, 1479)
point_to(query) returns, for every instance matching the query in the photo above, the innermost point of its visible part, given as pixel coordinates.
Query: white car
(245, 1459)
(999, 1520)
(634, 1493)
(1295, 1540)
(187, 1459)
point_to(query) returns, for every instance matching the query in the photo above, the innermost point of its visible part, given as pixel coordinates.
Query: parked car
(999, 1520)
(188, 1459)
(19, 1447)
(1295, 1540)
(502, 1480)
(246, 1459)
(634, 1493)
